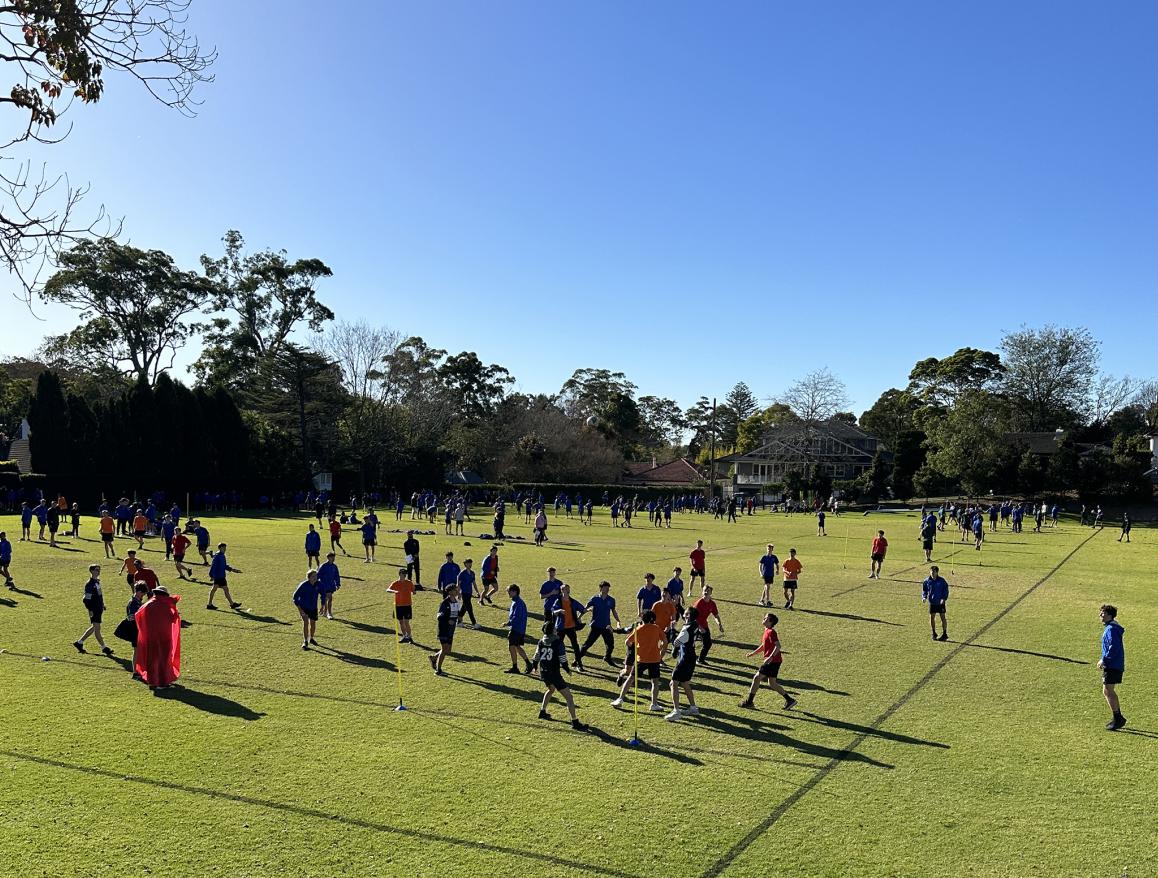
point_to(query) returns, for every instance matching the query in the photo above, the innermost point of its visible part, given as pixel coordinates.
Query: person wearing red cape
(158, 655)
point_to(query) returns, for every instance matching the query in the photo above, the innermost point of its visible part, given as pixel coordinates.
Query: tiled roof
(675, 472)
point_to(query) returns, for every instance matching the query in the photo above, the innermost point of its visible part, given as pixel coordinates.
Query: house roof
(779, 444)
(675, 472)
(464, 477)
(1042, 442)
(635, 467)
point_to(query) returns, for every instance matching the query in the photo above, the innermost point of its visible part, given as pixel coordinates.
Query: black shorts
(106, 538)
(203, 549)
(138, 533)
(1111, 676)
(404, 612)
(790, 584)
(220, 583)
(445, 636)
(699, 573)
(876, 556)
(770, 670)
(490, 580)
(649, 670)
(95, 616)
(768, 580)
(516, 638)
(935, 608)
(683, 673)
(369, 542)
(927, 545)
(312, 615)
(179, 558)
(554, 679)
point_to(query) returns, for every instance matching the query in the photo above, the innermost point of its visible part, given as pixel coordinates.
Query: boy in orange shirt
(649, 642)
(140, 528)
(791, 568)
(403, 591)
(108, 531)
(666, 610)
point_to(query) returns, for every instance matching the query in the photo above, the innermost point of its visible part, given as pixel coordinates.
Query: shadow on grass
(405, 835)
(26, 593)
(868, 731)
(1045, 655)
(1143, 733)
(852, 617)
(641, 747)
(209, 703)
(351, 658)
(265, 620)
(757, 729)
(365, 626)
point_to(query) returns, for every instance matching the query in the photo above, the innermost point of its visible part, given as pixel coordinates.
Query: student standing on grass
(127, 628)
(705, 609)
(666, 612)
(1112, 664)
(1125, 527)
(369, 539)
(146, 576)
(675, 587)
(403, 590)
(411, 548)
(168, 530)
(447, 621)
(217, 571)
(180, 545)
(602, 607)
(157, 658)
(306, 600)
(649, 643)
(549, 657)
(820, 531)
(549, 589)
(466, 582)
(448, 573)
(648, 595)
(25, 522)
(336, 535)
(329, 581)
(6, 560)
(74, 520)
(879, 548)
(769, 671)
(41, 513)
(541, 528)
(313, 548)
(53, 518)
(978, 532)
(935, 590)
(129, 567)
(566, 613)
(928, 536)
(94, 602)
(698, 563)
(517, 635)
(769, 568)
(201, 533)
(490, 576)
(792, 568)
(681, 678)
(107, 528)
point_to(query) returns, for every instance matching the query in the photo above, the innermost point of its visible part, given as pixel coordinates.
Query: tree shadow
(868, 731)
(215, 704)
(1045, 655)
(852, 617)
(265, 620)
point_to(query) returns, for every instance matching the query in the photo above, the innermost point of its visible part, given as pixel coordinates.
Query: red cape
(158, 655)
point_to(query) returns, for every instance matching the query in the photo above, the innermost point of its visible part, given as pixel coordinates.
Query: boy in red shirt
(706, 607)
(336, 536)
(880, 546)
(698, 563)
(770, 670)
(180, 545)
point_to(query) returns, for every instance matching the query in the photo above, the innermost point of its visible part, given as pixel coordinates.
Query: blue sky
(694, 194)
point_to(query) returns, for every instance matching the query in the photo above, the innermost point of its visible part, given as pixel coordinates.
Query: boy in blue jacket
(217, 570)
(1112, 664)
(935, 590)
(306, 600)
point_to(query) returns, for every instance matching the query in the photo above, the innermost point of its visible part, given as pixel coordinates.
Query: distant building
(676, 474)
(842, 450)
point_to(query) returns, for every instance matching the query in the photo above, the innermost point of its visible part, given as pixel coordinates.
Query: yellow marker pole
(844, 561)
(398, 661)
(634, 740)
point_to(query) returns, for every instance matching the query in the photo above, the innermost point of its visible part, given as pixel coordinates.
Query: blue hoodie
(1113, 651)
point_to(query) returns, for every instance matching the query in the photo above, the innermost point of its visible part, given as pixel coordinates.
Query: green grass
(904, 758)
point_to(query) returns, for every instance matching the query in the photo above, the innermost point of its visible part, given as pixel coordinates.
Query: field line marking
(737, 849)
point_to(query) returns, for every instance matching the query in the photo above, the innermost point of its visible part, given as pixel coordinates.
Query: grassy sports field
(983, 756)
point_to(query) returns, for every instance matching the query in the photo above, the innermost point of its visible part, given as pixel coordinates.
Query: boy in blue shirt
(313, 548)
(5, 560)
(329, 581)
(306, 600)
(369, 537)
(168, 528)
(935, 590)
(517, 635)
(448, 573)
(1112, 664)
(25, 522)
(769, 568)
(217, 571)
(466, 580)
(201, 533)
(675, 587)
(41, 513)
(602, 607)
(649, 595)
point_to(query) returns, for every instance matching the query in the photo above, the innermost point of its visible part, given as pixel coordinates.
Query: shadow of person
(26, 593)
(209, 703)
(266, 620)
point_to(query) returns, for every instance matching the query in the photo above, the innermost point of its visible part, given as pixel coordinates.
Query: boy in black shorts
(448, 612)
(550, 656)
(769, 671)
(94, 602)
(649, 642)
(684, 648)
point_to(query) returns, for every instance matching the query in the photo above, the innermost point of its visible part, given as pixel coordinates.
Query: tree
(752, 431)
(816, 397)
(592, 391)
(475, 390)
(1146, 398)
(135, 303)
(1049, 374)
(971, 447)
(1108, 396)
(59, 52)
(740, 404)
(662, 421)
(48, 418)
(878, 477)
(261, 298)
(940, 382)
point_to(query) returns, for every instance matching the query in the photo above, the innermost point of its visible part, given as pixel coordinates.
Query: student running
(769, 671)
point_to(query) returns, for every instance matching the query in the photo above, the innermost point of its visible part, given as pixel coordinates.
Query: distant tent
(464, 477)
